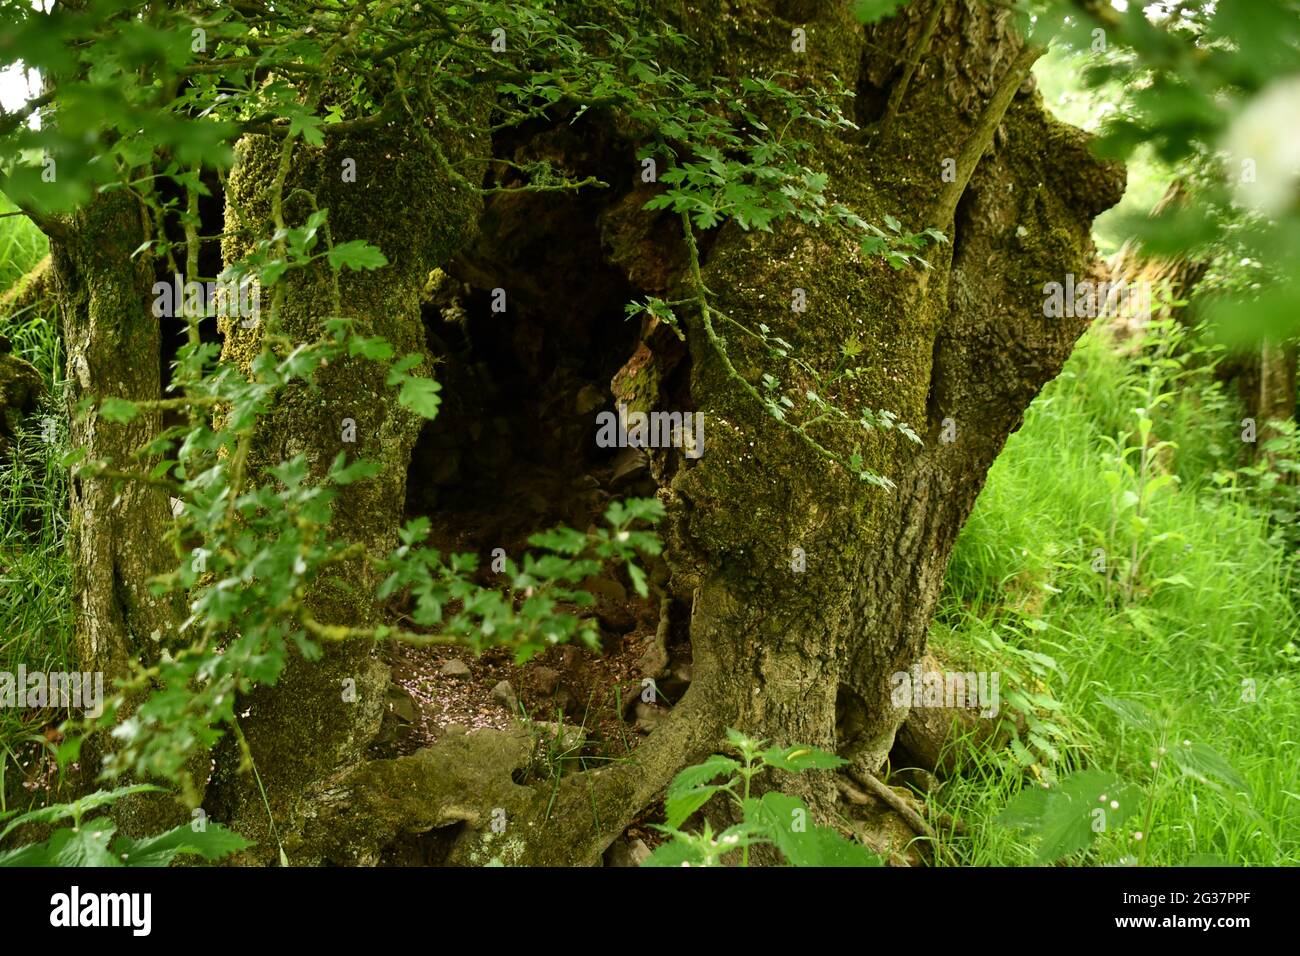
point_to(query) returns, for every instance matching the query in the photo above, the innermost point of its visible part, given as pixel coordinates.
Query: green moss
(402, 201)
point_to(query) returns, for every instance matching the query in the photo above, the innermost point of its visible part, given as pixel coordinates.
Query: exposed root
(591, 809)
(895, 802)
(470, 779)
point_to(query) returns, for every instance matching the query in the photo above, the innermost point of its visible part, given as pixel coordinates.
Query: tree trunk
(321, 715)
(957, 351)
(781, 654)
(777, 651)
(112, 341)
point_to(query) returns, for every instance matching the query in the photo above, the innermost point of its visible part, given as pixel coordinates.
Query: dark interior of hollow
(513, 449)
(514, 441)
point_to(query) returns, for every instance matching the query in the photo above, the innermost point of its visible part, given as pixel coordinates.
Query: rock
(615, 618)
(606, 588)
(625, 853)
(400, 704)
(547, 678)
(928, 731)
(922, 780)
(611, 605)
(20, 388)
(654, 660)
(454, 668)
(504, 695)
(463, 778)
(648, 716)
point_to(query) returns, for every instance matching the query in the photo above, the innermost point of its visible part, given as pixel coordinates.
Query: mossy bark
(112, 342)
(320, 715)
(965, 341)
(20, 388)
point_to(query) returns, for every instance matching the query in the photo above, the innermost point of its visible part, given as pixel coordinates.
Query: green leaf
(357, 254)
(798, 758)
(1134, 714)
(1204, 763)
(638, 579)
(343, 474)
(374, 348)
(118, 410)
(308, 126)
(87, 845)
(1064, 817)
(211, 843)
(560, 540)
(34, 854)
(676, 853)
(84, 846)
(680, 805)
(397, 373)
(702, 773)
(420, 395)
(62, 811)
(788, 821)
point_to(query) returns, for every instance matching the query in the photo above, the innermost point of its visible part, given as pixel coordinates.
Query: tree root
(469, 779)
(895, 802)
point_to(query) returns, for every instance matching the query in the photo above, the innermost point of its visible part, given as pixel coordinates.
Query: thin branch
(342, 632)
(11, 121)
(706, 315)
(92, 471)
(918, 50)
(52, 226)
(945, 206)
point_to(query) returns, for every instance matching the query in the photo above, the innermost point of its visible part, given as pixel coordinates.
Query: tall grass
(22, 245)
(35, 598)
(1205, 633)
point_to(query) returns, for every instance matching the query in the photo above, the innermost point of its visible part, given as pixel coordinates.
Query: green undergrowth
(1140, 569)
(35, 611)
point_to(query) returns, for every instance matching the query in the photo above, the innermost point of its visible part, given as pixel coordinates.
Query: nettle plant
(144, 99)
(1096, 806)
(1035, 720)
(1138, 469)
(775, 819)
(93, 840)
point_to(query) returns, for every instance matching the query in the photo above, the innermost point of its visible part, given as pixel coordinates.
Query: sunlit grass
(1187, 647)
